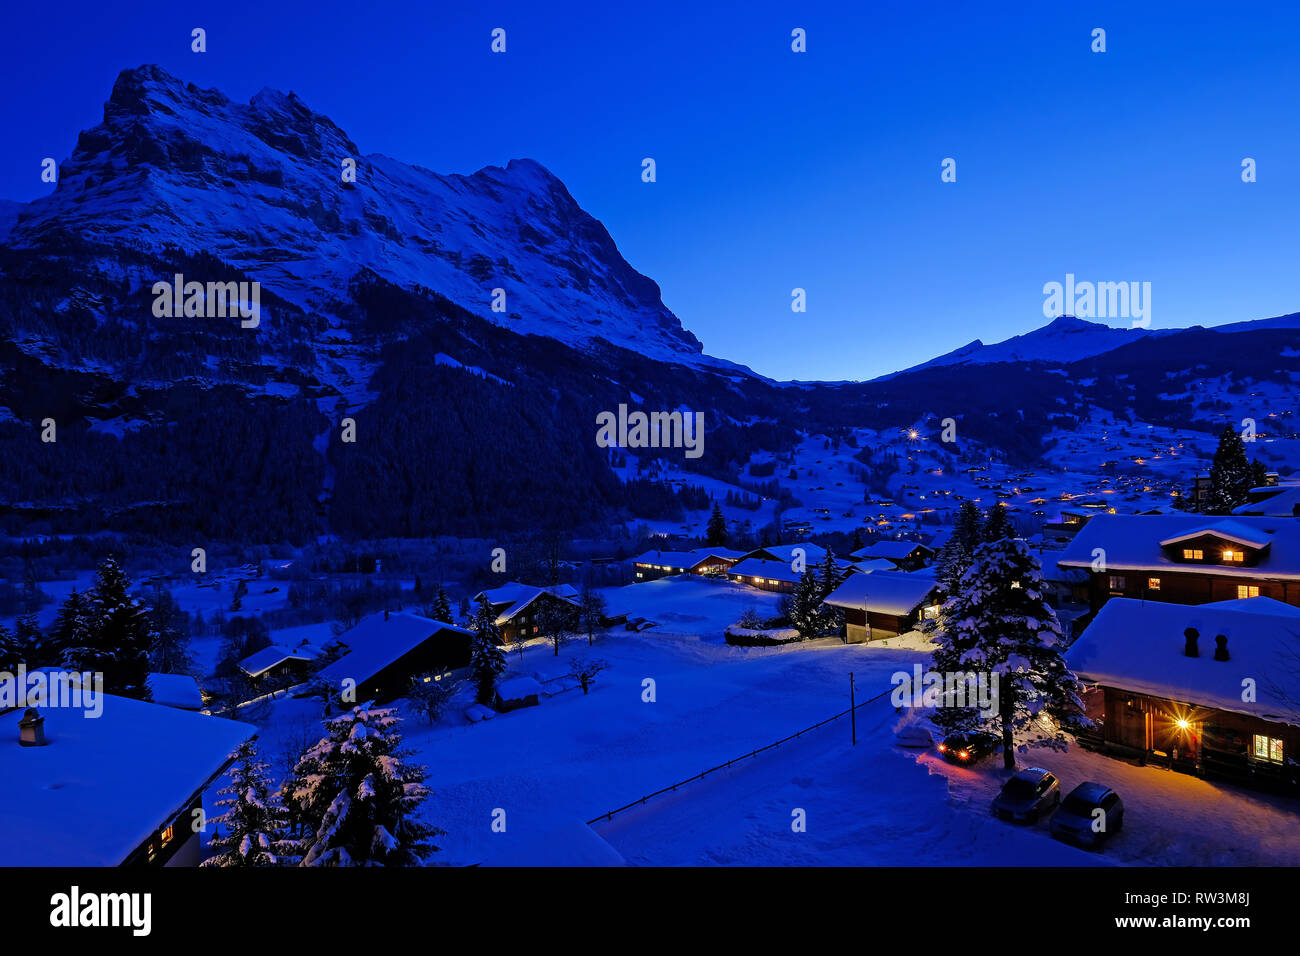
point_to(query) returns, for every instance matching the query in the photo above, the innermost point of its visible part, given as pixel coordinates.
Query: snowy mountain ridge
(261, 186)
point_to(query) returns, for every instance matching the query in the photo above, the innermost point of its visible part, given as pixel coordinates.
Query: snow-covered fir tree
(998, 622)
(804, 608)
(829, 575)
(117, 637)
(958, 552)
(998, 524)
(353, 800)
(487, 659)
(440, 609)
(250, 831)
(1232, 474)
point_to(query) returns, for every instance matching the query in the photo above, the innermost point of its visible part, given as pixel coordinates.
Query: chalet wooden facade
(903, 555)
(520, 608)
(1205, 689)
(1188, 559)
(387, 650)
(884, 604)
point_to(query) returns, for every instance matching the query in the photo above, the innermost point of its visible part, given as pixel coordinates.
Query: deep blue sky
(776, 170)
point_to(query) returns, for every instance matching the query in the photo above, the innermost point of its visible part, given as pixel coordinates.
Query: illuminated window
(1230, 555)
(1117, 582)
(1268, 748)
(1193, 554)
(1153, 584)
(1247, 590)
(167, 835)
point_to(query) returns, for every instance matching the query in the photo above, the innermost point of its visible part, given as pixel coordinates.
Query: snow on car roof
(1138, 646)
(102, 785)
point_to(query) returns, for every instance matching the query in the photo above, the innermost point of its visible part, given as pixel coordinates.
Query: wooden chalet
(903, 555)
(1187, 558)
(1211, 689)
(884, 604)
(518, 607)
(386, 650)
(117, 789)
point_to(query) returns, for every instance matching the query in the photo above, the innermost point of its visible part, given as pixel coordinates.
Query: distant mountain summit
(1063, 340)
(261, 187)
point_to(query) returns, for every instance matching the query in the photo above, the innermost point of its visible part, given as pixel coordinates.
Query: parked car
(968, 748)
(1089, 815)
(1027, 796)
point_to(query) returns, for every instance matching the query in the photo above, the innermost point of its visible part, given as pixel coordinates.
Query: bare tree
(586, 670)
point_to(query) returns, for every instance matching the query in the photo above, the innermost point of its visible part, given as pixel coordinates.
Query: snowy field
(573, 758)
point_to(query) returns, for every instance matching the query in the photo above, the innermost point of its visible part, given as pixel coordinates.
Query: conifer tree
(440, 609)
(251, 829)
(958, 552)
(715, 535)
(119, 636)
(1232, 474)
(11, 654)
(486, 658)
(998, 622)
(829, 577)
(71, 627)
(353, 800)
(998, 524)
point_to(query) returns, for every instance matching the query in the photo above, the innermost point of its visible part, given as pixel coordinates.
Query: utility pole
(853, 711)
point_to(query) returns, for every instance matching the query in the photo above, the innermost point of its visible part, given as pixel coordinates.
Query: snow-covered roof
(175, 690)
(1259, 605)
(728, 554)
(517, 688)
(518, 596)
(1275, 500)
(259, 662)
(668, 559)
(1138, 646)
(894, 550)
(1227, 529)
(378, 641)
(1133, 543)
(885, 592)
(812, 554)
(102, 785)
(760, 568)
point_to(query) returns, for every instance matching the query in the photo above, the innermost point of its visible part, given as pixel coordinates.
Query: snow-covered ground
(573, 758)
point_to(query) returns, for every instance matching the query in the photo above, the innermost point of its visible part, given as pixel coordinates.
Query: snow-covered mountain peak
(266, 187)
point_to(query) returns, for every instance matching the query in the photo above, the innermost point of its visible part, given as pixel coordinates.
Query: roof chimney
(1221, 647)
(1190, 649)
(31, 729)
